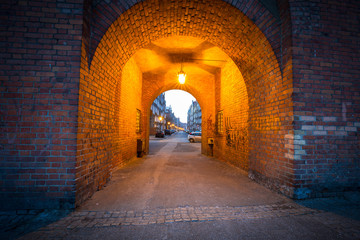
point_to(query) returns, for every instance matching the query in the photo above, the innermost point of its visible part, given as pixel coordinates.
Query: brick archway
(206, 102)
(147, 105)
(62, 128)
(111, 86)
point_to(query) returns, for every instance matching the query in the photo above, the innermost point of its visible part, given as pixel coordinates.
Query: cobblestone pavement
(82, 219)
(79, 224)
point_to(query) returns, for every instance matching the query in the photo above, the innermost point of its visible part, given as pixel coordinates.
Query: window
(219, 122)
(138, 121)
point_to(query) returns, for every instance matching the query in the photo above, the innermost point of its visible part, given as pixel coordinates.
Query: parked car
(167, 132)
(160, 134)
(194, 137)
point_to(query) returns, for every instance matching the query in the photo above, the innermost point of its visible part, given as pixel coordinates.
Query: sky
(180, 102)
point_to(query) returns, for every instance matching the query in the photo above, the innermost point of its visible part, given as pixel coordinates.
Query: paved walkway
(177, 193)
(278, 221)
(324, 225)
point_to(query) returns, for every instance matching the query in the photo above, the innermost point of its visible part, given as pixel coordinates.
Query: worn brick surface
(39, 76)
(232, 143)
(326, 96)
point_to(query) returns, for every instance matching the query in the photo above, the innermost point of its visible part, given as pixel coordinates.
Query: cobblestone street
(81, 219)
(278, 221)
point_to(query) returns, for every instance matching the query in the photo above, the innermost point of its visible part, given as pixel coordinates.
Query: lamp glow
(181, 77)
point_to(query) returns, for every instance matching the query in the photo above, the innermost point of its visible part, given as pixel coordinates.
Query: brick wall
(232, 143)
(232, 140)
(326, 70)
(109, 99)
(39, 77)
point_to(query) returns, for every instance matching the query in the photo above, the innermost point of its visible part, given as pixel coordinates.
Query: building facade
(172, 122)
(194, 117)
(157, 114)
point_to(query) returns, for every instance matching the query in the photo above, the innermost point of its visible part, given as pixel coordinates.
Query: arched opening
(174, 110)
(212, 78)
(247, 106)
(173, 114)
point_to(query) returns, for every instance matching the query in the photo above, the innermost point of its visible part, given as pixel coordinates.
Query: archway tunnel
(231, 69)
(281, 102)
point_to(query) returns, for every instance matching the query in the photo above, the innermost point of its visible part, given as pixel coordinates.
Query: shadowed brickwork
(326, 96)
(39, 85)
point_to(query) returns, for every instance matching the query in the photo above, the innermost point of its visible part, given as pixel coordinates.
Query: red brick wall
(39, 77)
(107, 120)
(130, 100)
(326, 70)
(232, 143)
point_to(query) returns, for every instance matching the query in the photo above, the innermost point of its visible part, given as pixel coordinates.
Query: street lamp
(160, 119)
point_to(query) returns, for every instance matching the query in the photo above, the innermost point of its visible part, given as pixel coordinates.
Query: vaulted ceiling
(169, 55)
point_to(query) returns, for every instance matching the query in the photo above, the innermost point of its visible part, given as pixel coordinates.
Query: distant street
(156, 144)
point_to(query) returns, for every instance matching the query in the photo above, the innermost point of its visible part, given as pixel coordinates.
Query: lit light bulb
(181, 76)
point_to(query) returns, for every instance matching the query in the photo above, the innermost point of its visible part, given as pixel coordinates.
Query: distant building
(157, 114)
(183, 125)
(170, 118)
(172, 122)
(194, 117)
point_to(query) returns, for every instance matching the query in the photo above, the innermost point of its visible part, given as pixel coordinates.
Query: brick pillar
(40, 68)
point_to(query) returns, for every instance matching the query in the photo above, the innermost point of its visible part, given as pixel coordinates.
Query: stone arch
(99, 15)
(101, 144)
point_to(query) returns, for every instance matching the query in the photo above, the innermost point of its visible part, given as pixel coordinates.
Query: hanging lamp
(181, 75)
